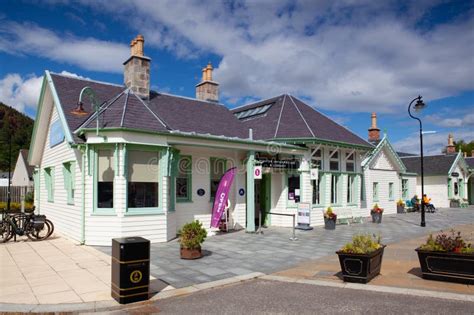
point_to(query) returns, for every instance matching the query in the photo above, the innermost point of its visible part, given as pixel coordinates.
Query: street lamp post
(419, 106)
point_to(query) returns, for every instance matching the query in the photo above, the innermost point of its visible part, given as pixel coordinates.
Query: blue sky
(345, 58)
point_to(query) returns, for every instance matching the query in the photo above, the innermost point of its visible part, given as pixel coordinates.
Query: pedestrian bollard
(130, 269)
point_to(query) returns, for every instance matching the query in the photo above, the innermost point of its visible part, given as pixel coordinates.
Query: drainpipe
(83, 206)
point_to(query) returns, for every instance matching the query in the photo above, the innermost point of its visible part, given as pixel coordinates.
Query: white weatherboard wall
(200, 208)
(65, 217)
(382, 170)
(436, 188)
(20, 175)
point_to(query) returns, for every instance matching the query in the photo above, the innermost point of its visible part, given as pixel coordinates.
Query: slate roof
(289, 117)
(432, 165)
(470, 162)
(162, 113)
(403, 154)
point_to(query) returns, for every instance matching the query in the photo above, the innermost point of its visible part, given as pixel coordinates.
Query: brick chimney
(207, 90)
(137, 69)
(374, 132)
(450, 148)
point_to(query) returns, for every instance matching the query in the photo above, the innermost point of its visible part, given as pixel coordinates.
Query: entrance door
(263, 199)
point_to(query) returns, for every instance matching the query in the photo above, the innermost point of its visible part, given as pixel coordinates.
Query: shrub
(443, 242)
(16, 206)
(192, 235)
(362, 244)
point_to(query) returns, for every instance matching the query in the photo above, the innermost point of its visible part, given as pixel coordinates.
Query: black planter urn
(376, 217)
(400, 209)
(329, 224)
(444, 266)
(360, 268)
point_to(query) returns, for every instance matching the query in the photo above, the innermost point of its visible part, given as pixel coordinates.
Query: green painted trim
(59, 108)
(407, 195)
(378, 148)
(38, 117)
(189, 178)
(68, 178)
(338, 190)
(97, 210)
(375, 191)
(391, 196)
(460, 159)
(49, 182)
(262, 143)
(37, 187)
(250, 226)
(321, 141)
(83, 193)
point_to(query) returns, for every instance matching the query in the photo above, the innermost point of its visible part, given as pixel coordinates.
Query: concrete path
(36, 275)
(51, 272)
(239, 253)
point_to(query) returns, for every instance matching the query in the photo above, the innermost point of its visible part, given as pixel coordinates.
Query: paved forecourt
(240, 253)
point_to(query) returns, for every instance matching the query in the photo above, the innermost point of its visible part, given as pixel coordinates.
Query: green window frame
(450, 189)
(375, 191)
(335, 161)
(317, 160)
(69, 181)
(104, 178)
(350, 162)
(362, 187)
(184, 179)
(461, 188)
(390, 192)
(142, 187)
(335, 189)
(405, 189)
(351, 189)
(49, 182)
(217, 169)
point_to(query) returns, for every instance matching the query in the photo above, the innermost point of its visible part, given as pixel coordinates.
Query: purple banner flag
(222, 194)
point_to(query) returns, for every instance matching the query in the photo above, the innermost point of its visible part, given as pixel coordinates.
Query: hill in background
(20, 128)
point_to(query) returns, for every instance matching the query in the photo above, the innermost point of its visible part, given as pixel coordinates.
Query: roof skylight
(260, 110)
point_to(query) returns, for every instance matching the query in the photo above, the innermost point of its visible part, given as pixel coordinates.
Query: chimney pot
(450, 148)
(207, 90)
(374, 132)
(137, 69)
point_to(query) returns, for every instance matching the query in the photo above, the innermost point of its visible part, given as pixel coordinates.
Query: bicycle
(35, 227)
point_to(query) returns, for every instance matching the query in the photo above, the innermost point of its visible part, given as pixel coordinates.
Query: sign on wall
(257, 172)
(56, 134)
(314, 174)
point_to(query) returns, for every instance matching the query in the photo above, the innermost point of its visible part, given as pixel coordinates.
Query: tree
(17, 126)
(464, 146)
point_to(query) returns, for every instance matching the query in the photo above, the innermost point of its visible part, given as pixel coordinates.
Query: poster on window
(257, 172)
(314, 174)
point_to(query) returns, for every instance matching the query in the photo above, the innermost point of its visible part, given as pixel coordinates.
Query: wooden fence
(17, 193)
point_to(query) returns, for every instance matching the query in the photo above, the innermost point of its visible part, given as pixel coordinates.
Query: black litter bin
(130, 269)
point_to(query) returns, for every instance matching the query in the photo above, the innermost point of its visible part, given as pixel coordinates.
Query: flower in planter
(362, 244)
(330, 215)
(376, 209)
(452, 243)
(400, 203)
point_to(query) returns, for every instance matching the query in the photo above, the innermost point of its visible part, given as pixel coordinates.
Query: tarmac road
(275, 297)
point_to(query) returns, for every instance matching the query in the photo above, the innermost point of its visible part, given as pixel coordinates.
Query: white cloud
(461, 120)
(343, 55)
(432, 143)
(88, 53)
(23, 92)
(20, 92)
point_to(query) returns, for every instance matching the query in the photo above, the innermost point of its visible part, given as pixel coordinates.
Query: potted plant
(447, 258)
(376, 213)
(191, 236)
(361, 259)
(400, 206)
(330, 219)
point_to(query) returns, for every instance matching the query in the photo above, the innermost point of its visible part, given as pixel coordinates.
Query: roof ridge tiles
(160, 120)
(302, 117)
(86, 79)
(279, 117)
(190, 98)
